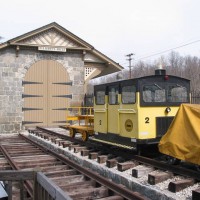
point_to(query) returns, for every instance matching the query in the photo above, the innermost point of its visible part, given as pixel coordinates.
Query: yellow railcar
(134, 112)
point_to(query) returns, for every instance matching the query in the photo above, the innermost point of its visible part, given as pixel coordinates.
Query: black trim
(139, 81)
(30, 122)
(60, 121)
(162, 125)
(60, 109)
(30, 95)
(63, 83)
(117, 139)
(148, 141)
(63, 96)
(28, 109)
(114, 138)
(30, 82)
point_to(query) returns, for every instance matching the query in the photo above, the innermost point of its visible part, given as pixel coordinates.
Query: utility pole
(129, 59)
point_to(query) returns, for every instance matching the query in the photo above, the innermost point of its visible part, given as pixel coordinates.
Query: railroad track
(180, 181)
(79, 183)
(6, 165)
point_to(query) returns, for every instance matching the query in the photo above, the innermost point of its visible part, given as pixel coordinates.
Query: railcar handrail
(80, 108)
(100, 110)
(121, 110)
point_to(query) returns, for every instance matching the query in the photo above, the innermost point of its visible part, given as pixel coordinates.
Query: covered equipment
(182, 139)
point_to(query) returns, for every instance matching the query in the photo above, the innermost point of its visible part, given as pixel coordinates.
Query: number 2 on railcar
(135, 112)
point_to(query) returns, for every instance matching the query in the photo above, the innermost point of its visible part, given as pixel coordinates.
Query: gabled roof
(55, 35)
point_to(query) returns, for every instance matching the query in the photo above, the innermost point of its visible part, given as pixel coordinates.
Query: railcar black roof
(135, 80)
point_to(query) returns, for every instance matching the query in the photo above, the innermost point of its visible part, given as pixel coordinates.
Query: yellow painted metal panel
(113, 119)
(128, 125)
(101, 117)
(147, 119)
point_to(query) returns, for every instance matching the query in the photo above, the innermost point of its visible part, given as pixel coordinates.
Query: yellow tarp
(182, 139)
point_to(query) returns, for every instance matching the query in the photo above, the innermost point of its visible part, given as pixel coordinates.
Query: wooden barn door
(46, 94)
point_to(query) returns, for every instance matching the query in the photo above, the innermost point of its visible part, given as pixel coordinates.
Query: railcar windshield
(164, 93)
(154, 93)
(177, 93)
(128, 94)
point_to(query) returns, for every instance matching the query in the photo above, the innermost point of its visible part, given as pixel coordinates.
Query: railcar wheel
(84, 136)
(72, 132)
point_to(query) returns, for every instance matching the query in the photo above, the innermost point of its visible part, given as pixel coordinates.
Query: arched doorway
(46, 94)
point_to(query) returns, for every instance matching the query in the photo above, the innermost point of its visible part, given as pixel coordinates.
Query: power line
(164, 51)
(168, 50)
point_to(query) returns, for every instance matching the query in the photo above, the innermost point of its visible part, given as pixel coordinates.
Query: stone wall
(12, 72)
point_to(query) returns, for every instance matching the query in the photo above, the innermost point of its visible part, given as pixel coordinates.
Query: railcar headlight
(168, 109)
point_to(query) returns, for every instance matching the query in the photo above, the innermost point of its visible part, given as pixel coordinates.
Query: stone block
(9, 127)
(17, 127)
(4, 74)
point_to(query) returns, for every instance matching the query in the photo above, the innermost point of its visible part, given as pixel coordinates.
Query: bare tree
(192, 72)
(186, 67)
(175, 63)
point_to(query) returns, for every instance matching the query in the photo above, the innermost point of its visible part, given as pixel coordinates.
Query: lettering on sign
(45, 48)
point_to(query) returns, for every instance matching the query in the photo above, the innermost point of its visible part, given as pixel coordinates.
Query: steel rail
(164, 166)
(118, 189)
(89, 143)
(143, 160)
(61, 135)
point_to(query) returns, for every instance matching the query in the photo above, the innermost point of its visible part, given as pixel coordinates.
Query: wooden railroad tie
(142, 171)
(158, 177)
(126, 165)
(196, 194)
(179, 185)
(79, 149)
(113, 162)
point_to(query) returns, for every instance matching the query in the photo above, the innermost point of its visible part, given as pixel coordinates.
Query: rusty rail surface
(156, 170)
(67, 179)
(176, 169)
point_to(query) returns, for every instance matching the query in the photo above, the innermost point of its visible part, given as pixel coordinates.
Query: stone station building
(42, 73)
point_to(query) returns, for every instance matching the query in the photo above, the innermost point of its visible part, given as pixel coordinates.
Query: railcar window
(128, 94)
(153, 93)
(100, 97)
(113, 95)
(177, 93)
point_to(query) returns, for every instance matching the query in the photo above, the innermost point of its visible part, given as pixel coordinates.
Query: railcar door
(128, 124)
(100, 110)
(113, 106)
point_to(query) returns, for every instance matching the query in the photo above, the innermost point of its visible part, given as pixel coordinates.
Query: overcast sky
(114, 27)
